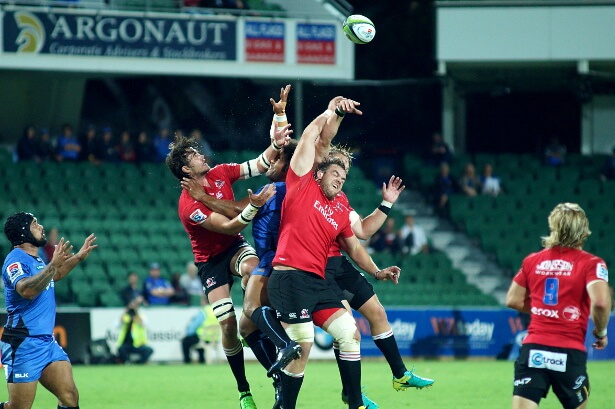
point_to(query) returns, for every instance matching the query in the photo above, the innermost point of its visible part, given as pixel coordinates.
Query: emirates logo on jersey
(219, 183)
(571, 313)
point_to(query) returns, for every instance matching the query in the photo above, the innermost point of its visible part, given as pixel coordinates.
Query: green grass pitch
(459, 385)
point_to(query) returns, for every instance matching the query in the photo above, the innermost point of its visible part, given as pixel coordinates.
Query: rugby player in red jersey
(560, 287)
(220, 252)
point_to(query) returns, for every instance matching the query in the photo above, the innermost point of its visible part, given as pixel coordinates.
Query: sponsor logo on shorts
(545, 312)
(292, 315)
(579, 382)
(198, 216)
(571, 313)
(304, 313)
(210, 282)
(602, 272)
(548, 360)
(523, 381)
(21, 375)
(14, 270)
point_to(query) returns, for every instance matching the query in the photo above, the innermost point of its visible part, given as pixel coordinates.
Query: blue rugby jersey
(27, 317)
(266, 223)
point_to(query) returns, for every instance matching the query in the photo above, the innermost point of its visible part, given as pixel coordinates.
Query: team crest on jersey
(210, 282)
(305, 313)
(14, 270)
(218, 195)
(198, 216)
(219, 183)
(571, 313)
(602, 272)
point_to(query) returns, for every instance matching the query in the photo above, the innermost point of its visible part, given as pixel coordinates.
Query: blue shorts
(24, 359)
(264, 267)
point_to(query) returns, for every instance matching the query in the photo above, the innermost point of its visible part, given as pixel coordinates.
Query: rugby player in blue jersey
(30, 353)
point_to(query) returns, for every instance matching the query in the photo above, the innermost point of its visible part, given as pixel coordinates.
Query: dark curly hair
(181, 148)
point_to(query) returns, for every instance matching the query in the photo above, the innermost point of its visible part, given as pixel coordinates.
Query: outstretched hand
(392, 190)
(390, 273)
(261, 198)
(334, 102)
(349, 106)
(88, 246)
(281, 136)
(279, 107)
(61, 253)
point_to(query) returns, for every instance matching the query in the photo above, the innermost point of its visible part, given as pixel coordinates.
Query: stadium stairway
(465, 255)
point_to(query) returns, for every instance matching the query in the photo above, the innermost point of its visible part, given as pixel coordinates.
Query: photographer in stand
(132, 338)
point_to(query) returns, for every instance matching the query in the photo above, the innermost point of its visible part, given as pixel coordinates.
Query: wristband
(385, 207)
(601, 334)
(275, 146)
(280, 118)
(263, 161)
(328, 113)
(386, 203)
(248, 213)
(376, 275)
(339, 112)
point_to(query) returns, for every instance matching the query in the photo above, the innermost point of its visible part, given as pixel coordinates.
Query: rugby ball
(359, 29)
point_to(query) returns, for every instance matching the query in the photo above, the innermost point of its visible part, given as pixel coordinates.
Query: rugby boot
(285, 356)
(410, 380)
(246, 401)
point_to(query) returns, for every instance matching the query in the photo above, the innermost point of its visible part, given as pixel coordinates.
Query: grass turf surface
(459, 385)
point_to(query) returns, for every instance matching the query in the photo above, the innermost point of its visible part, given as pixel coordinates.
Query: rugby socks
(1, 405)
(351, 375)
(234, 357)
(388, 346)
(59, 407)
(264, 350)
(266, 320)
(336, 352)
(291, 385)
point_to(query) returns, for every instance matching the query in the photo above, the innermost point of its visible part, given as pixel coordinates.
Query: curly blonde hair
(568, 226)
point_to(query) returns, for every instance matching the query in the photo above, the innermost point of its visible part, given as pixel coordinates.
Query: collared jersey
(27, 317)
(310, 224)
(205, 243)
(556, 280)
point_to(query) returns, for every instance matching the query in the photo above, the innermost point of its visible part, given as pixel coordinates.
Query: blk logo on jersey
(304, 313)
(14, 270)
(198, 216)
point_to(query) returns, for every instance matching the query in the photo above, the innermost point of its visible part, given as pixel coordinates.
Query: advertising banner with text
(113, 35)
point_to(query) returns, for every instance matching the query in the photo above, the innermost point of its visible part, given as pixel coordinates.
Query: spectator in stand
(608, 169)
(161, 143)
(68, 146)
(132, 338)
(45, 147)
(439, 151)
(156, 289)
(190, 281)
(386, 239)
(126, 148)
(26, 146)
(89, 145)
(144, 150)
(108, 149)
(132, 291)
(555, 153)
(443, 188)
(413, 238)
(180, 296)
(490, 184)
(469, 182)
(202, 145)
(50, 246)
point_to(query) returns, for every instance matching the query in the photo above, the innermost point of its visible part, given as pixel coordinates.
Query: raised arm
(336, 111)
(359, 255)
(365, 228)
(221, 224)
(73, 260)
(32, 286)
